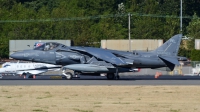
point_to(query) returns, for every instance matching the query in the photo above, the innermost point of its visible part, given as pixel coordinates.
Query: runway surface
(90, 81)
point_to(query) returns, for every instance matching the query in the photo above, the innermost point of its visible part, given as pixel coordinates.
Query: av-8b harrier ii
(97, 60)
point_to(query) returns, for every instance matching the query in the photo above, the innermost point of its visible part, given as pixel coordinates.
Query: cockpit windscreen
(47, 46)
(5, 65)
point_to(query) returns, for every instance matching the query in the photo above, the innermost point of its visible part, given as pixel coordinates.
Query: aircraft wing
(32, 71)
(100, 54)
(181, 58)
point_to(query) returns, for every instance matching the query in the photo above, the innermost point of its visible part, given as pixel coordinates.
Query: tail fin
(170, 47)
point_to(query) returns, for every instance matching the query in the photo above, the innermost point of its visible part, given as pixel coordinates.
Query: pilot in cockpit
(47, 47)
(51, 46)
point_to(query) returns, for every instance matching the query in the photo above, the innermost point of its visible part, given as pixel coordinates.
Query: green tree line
(87, 22)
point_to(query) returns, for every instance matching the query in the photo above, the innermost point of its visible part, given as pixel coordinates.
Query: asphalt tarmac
(98, 80)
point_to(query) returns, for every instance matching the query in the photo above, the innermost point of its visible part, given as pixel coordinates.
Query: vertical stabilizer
(170, 47)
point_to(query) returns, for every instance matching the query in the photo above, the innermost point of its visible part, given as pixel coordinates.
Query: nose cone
(17, 55)
(2, 70)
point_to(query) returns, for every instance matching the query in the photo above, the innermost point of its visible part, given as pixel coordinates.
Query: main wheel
(68, 75)
(110, 76)
(24, 75)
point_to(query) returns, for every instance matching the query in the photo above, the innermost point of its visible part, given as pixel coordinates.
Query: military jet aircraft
(97, 60)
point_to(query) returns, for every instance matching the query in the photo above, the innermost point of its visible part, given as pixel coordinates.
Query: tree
(193, 31)
(80, 22)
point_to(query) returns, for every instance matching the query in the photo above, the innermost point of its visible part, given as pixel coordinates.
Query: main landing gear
(112, 76)
(28, 75)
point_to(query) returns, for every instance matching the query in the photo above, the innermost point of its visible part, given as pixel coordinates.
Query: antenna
(181, 16)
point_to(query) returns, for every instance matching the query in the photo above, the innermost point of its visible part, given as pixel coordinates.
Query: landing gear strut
(117, 74)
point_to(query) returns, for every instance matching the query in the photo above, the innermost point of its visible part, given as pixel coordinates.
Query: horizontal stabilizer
(172, 60)
(32, 71)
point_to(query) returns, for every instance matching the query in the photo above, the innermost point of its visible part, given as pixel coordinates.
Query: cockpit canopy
(47, 46)
(5, 65)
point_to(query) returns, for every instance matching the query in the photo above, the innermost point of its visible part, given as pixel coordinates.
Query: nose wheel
(68, 75)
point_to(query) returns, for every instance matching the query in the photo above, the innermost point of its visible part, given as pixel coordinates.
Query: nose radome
(17, 55)
(2, 70)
